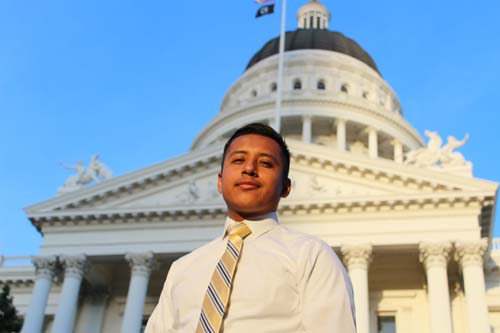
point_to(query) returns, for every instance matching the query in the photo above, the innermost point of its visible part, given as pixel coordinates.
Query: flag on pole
(265, 10)
(260, 2)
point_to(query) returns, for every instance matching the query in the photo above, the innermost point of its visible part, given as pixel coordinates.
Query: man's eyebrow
(261, 154)
(238, 152)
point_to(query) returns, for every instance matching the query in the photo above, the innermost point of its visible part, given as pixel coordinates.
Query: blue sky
(136, 81)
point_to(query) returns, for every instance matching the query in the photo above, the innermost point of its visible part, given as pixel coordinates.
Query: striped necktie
(217, 297)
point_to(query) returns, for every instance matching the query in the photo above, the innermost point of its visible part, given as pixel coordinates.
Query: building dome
(315, 39)
(332, 95)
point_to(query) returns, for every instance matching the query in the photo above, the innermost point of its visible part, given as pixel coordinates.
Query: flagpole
(277, 116)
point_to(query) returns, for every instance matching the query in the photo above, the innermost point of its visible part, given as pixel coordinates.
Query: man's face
(251, 179)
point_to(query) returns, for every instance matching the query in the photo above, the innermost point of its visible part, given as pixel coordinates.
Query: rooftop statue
(437, 156)
(95, 172)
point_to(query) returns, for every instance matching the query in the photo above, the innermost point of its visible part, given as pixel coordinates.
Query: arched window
(297, 84)
(344, 88)
(254, 93)
(366, 94)
(274, 87)
(321, 85)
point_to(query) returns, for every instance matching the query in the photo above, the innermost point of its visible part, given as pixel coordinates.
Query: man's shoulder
(296, 239)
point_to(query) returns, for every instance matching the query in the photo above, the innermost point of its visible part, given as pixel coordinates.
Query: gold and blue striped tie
(219, 289)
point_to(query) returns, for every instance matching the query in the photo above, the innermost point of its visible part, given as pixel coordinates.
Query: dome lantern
(313, 15)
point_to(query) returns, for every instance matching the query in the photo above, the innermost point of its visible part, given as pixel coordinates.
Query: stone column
(141, 264)
(306, 129)
(470, 257)
(434, 256)
(93, 310)
(398, 151)
(357, 259)
(372, 142)
(74, 268)
(341, 134)
(44, 272)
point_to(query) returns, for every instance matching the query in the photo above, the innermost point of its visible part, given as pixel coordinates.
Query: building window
(274, 87)
(344, 88)
(318, 22)
(311, 22)
(254, 93)
(305, 23)
(321, 85)
(297, 84)
(386, 324)
(366, 94)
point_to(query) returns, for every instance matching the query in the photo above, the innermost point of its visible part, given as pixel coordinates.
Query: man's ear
(287, 187)
(219, 182)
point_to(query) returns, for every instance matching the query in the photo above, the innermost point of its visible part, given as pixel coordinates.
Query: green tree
(9, 321)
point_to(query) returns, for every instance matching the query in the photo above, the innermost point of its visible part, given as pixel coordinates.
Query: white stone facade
(416, 241)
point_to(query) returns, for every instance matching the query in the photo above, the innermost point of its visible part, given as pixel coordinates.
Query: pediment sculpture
(95, 172)
(437, 155)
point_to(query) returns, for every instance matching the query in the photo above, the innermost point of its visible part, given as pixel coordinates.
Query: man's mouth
(247, 184)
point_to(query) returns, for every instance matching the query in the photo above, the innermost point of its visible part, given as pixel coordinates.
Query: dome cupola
(313, 15)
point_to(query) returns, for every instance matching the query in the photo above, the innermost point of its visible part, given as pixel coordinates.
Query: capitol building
(405, 214)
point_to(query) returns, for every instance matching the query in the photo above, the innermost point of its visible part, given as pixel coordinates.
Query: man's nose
(250, 167)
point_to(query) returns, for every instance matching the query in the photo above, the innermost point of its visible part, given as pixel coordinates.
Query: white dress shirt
(286, 282)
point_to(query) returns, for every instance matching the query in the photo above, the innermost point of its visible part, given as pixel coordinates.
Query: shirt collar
(259, 224)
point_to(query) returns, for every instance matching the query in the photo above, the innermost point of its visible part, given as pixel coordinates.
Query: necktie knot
(238, 229)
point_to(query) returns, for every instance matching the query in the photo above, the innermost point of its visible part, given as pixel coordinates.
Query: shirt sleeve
(161, 320)
(327, 295)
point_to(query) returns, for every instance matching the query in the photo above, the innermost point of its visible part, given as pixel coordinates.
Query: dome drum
(340, 75)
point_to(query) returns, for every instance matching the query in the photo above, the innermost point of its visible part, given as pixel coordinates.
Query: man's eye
(267, 164)
(237, 160)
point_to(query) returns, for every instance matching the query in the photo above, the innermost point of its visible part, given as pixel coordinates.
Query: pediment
(201, 189)
(317, 173)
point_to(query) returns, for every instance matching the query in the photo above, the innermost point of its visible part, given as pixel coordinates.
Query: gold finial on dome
(313, 15)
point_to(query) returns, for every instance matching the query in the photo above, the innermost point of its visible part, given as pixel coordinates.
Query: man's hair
(263, 130)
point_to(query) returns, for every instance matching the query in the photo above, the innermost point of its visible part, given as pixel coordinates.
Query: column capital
(357, 255)
(395, 142)
(340, 121)
(141, 262)
(470, 253)
(45, 266)
(74, 265)
(370, 129)
(434, 254)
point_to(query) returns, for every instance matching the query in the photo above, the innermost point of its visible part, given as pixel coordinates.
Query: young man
(266, 278)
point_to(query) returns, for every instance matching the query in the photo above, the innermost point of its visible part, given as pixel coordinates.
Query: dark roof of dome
(316, 39)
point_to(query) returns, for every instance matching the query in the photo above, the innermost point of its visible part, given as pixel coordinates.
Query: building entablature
(414, 205)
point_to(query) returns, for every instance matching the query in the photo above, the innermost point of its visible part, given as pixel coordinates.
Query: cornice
(373, 204)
